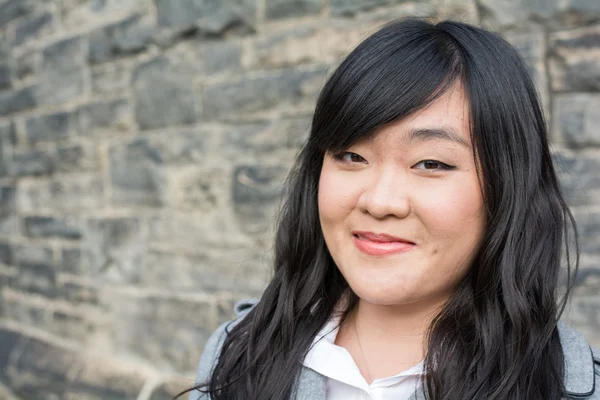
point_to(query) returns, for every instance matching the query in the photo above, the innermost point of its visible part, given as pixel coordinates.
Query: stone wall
(143, 145)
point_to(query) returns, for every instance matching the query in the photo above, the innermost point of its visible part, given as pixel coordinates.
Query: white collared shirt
(345, 382)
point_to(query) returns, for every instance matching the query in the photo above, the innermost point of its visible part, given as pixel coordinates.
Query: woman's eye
(433, 165)
(349, 157)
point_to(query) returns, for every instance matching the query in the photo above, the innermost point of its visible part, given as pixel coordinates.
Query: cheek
(336, 198)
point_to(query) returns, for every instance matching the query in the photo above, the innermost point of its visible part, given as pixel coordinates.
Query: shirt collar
(333, 361)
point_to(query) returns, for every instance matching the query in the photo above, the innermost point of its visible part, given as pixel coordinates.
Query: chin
(381, 296)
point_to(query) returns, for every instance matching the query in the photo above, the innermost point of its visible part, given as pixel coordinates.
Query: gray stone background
(143, 145)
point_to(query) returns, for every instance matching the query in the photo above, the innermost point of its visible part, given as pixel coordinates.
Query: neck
(392, 337)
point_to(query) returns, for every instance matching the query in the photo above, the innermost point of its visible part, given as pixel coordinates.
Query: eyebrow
(423, 134)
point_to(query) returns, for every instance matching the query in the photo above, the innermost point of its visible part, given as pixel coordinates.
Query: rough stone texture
(144, 325)
(41, 227)
(288, 87)
(575, 59)
(62, 71)
(576, 119)
(4, 76)
(18, 100)
(256, 191)
(114, 249)
(76, 193)
(577, 173)
(26, 66)
(208, 16)
(220, 57)
(31, 163)
(32, 28)
(293, 8)
(13, 9)
(143, 148)
(105, 116)
(164, 94)
(130, 35)
(49, 127)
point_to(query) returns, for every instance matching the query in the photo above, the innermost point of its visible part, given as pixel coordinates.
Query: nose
(386, 195)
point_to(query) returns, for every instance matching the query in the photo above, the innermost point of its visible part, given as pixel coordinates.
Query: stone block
(577, 171)
(36, 277)
(128, 36)
(4, 76)
(77, 157)
(7, 210)
(194, 233)
(6, 253)
(256, 192)
(574, 60)
(164, 94)
(46, 227)
(8, 219)
(110, 78)
(114, 249)
(277, 9)
(8, 134)
(143, 324)
(212, 269)
(588, 230)
(18, 100)
(44, 369)
(13, 9)
(134, 176)
(222, 57)
(349, 7)
(112, 115)
(50, 127)
(71, 261)
(25, 313)
(71, 325)
(137, 168)
(525, 15)
(8, 138)
(76, 192)
(78, 293)
(64, 56)
(308, 45)
(32, 28)
(576, 119)
(532, 49)
(26, 65)
(210, 17)
(7, 198)
(62, 74)
(31, 163)
(274, 89)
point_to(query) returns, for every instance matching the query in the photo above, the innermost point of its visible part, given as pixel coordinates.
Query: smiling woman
(419, 249)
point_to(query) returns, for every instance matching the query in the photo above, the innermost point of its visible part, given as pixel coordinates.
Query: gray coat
(582, 365)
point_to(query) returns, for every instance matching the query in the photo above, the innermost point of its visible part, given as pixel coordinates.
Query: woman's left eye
(433, 165)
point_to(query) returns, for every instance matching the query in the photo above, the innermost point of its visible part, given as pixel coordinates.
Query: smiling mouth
(380, 248)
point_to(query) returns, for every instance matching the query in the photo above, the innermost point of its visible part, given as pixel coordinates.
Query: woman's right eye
(349, 157)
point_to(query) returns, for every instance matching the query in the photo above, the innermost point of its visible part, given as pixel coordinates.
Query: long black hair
(496, 337)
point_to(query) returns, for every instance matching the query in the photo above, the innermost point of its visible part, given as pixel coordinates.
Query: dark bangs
(393, 73)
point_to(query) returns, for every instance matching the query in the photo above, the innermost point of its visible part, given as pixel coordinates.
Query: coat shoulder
(596, 356)
(212, 349)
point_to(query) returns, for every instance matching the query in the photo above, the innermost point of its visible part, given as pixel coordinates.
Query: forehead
(447, 118)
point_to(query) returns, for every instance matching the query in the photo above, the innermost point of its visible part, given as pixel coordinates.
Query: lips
(378, 244)
(379, 237)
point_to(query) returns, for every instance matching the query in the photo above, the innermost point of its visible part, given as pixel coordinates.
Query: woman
(419, 249)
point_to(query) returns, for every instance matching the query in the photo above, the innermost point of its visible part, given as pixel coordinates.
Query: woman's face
(414, 179)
